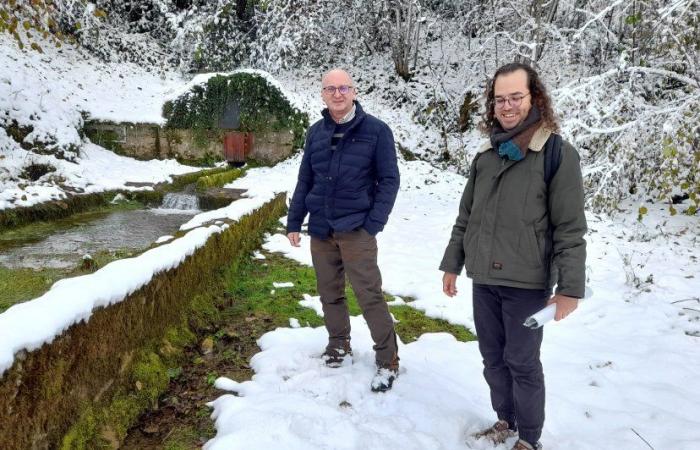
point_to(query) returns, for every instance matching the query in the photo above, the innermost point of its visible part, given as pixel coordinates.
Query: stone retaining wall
(149, 141)
(85, 388)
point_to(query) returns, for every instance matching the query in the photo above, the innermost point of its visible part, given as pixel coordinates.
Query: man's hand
(565, 305)
(449, 284)
(294, 239)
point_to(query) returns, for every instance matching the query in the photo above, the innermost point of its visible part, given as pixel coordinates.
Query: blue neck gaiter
(510, 150)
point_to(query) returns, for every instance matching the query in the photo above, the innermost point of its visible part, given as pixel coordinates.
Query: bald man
(348, 181)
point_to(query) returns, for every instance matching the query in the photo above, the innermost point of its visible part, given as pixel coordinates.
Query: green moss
(218, 180)
(262, 107)
(57, 381)
(108, 386)
(147, 198)
(18, 285)
(80, 436)
(108, 139)
(150, 376)
(104, 428)
(180, 181)
(180, 337)
(119, 416)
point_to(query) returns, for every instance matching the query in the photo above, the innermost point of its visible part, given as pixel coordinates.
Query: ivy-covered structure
(243, 102)
(198, 121)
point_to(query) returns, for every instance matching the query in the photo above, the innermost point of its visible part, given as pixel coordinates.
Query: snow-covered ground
(623, 364)
(51, 92)
(621, 370)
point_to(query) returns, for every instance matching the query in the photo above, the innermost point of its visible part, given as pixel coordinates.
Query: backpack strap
(552, 157)
(552, 160)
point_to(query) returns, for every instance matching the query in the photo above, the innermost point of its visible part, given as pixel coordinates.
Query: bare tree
(404, 34)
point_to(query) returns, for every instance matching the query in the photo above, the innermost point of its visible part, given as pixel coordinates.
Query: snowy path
(622, 363)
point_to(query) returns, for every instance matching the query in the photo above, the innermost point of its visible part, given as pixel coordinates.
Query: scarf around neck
(512, 144)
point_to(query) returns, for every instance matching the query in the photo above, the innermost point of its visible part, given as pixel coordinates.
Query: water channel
(90, 233)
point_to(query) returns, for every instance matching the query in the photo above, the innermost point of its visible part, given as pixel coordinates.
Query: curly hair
(538, 93)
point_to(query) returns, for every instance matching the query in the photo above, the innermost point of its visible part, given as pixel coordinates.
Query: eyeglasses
(342, 89)
(513, 100)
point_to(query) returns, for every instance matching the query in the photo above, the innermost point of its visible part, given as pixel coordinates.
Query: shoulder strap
(473, 164)
(552, 157)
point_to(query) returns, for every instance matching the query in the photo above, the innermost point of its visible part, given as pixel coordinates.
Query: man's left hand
(565, 305)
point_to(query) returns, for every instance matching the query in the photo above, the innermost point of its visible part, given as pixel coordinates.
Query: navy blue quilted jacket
(354, 186)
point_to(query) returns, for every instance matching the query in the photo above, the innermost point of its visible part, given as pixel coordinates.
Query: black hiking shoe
(334, 357)
(384, 378)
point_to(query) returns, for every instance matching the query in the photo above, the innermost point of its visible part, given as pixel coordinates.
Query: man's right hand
(294, 239)
(449, 284)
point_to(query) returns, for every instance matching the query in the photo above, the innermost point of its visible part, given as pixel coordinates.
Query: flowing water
(91, 233)
(181, 202)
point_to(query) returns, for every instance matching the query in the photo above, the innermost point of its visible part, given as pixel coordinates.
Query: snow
(49, 92)
(623, 363)
(29, 325)
(286, 284)
(620, 365)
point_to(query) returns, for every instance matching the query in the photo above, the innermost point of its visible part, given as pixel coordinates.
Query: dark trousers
(354, 253)
(511, 354)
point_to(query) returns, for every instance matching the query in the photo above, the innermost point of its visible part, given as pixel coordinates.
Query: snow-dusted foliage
(625, 79)
(293, 32)
(624, 74)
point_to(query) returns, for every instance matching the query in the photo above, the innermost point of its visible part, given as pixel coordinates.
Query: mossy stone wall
(84, 389)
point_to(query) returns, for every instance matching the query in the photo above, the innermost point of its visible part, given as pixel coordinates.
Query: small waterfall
(186, 202)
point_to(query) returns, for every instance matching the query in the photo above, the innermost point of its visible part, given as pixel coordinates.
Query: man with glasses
(518, 234)
(348, 181)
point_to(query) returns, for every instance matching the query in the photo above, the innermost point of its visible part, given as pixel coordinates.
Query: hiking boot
(497, 433)
(384, 378)
(524, 445)
(334, 357)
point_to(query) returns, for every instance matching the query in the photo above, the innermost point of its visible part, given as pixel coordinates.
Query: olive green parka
(514, 230)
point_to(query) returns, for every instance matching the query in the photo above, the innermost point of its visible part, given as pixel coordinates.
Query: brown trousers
(354, 253)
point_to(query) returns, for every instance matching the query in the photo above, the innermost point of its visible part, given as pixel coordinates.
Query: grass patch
(21, 285)
(413, 323)
(18, 285)
(185, 438)
(251, 292)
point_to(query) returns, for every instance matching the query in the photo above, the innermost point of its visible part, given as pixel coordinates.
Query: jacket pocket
(470, 247)
(531, 248)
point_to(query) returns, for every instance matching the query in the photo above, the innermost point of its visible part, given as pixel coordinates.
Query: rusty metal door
(237, 146)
